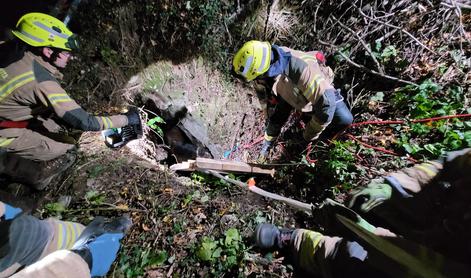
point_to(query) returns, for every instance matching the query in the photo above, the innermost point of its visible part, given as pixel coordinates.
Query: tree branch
(353, 63)
(378, 65)
(398, 28)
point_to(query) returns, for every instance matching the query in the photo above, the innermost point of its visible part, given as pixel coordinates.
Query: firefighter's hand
(133, 117)
(262, 158)
(327, 212)
(374, 194)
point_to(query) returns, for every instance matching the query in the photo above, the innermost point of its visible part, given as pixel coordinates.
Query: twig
(350, 61)
(461, 5)
(270, 3)
(104, 209)
(378, 65)
(387, 35)
(228, 33)
(236, 135)
(315, 17)
(398, 28)
(460, 21)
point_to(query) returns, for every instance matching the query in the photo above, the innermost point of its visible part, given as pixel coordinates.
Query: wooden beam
(220, 165)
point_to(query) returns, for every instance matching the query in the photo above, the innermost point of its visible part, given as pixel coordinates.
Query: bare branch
(367, 48)
(353, 63)
(399, 28)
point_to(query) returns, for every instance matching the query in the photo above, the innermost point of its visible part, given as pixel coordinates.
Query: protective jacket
(60, 264)
(29, 88)
(302, 85)
(30, 91)
(429, 211)
(35, 244)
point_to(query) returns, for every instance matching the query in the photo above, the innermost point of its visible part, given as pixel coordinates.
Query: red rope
(388, 122)
(248, 146)
(377, 148)
(308, 152)
(309, 148)
(441, 118)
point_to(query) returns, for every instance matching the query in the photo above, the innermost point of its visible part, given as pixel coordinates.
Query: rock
(229, 221)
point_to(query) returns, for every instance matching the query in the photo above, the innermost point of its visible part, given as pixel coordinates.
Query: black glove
(133, 117)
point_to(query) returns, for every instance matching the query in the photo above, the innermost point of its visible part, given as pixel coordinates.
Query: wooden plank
(230, 166)
(202, 163)
(189, 165)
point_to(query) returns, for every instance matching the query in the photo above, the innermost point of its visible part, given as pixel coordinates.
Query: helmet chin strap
(51, 59)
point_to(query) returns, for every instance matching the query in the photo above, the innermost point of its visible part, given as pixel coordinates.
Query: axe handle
(293, 203)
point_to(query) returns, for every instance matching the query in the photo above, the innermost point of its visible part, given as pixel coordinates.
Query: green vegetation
(95, 198)
(134, 262)
(154, 123)
(224, 253)
(432, 138)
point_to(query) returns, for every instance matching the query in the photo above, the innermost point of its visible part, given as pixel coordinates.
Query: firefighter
(30, 247)
(287, 79)
(425, 210)
(34, 106)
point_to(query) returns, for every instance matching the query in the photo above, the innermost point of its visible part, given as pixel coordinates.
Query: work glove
(99, 243)
(263, 155)
(10, 212)
(326, 213)
(374, 194)
(133, 117)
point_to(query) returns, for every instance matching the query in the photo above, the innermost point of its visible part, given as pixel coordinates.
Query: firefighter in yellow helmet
(33, 148)
(285, 79)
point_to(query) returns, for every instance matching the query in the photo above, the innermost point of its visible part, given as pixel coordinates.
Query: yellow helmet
(252, 59)
(38, 29)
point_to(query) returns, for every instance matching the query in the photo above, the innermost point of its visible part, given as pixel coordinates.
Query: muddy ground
(173, 212)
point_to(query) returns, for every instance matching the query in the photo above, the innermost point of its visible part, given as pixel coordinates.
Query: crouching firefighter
(287, 79)
(412, 223)
(33, 105)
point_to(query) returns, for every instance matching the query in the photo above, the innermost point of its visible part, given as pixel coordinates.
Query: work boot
(53, 168)
(268, 236)
(37, 174)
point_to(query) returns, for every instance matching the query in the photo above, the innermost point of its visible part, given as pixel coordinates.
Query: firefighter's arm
(407, 182)
(324, 111)
(68, 110)
(62, 263)
(261, 92)
(411, 180)
(453, 165)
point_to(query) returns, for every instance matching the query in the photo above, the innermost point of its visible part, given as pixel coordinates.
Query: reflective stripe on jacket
(29, 88)
(304, 80)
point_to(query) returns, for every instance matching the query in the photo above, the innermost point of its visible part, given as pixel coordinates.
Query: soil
(135, 180)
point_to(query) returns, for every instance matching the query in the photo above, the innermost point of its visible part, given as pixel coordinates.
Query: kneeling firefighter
(34, 106)
(285, 80)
